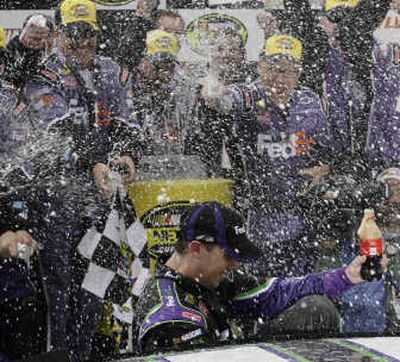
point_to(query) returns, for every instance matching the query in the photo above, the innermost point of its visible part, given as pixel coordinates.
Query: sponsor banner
(113, 2)
(389, 30)
(204, 26)
(202, 33)
(13, 19)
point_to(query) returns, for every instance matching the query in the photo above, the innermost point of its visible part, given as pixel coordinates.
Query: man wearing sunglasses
(200, 297)
(82, 96)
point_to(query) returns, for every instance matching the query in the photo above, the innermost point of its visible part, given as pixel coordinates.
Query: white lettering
(239, 230)
(191, 335)
(285, 148)
(170, 301)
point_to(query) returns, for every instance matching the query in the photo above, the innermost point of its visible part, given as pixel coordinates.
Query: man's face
(279, 76)
(145, 7)
(172, 25)
(216, 266)
(331, 29)
(227, 57)
(78, 50)
(395, 5)
(36, 37)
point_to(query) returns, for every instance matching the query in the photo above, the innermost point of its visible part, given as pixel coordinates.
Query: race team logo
(192, 316)
(79, 11)
(285, 44)
(203, 32)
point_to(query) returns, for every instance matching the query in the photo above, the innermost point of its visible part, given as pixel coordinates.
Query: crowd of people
(309, 134)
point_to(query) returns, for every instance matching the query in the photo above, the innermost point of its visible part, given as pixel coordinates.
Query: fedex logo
(239, 230)
(293, 145)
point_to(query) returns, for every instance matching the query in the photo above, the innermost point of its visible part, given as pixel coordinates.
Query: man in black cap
(199, 297)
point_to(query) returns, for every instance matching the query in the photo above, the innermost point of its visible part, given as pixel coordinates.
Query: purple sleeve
(383, 56)
(336, 283)
(274, 296)
(337, 94)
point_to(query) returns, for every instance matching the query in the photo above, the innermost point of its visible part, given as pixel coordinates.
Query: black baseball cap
(213, 223)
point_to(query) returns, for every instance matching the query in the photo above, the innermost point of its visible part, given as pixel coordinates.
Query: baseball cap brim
(162, 60)
(242, 248)
(80, 29)
(276, 57)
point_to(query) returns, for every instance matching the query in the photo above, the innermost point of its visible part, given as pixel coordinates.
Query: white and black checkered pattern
(111, 250)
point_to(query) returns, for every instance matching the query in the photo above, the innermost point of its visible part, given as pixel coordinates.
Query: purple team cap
(213, 223)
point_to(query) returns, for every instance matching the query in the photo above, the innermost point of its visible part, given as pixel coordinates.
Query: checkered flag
(111, 249)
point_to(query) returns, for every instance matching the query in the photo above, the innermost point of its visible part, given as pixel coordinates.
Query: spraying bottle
(371, 245)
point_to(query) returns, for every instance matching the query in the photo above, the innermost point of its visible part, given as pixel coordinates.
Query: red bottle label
(371, 247)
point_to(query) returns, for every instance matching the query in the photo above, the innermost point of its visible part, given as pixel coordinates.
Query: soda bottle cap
(369, 213)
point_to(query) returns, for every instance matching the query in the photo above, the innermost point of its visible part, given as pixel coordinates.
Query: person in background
(27, 50)
(228, 59)
(81, 96)
(125, 38)
(383, 141)
(170, 21)
(154, 101)
(8, 100)
(203, 299)
(348, 89)
(379, 295)
(361, 156)
(298, 19)
(22, 304)
(280, 149)
(227, 66)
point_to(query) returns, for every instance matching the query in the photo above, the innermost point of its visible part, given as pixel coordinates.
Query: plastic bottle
(371, 245)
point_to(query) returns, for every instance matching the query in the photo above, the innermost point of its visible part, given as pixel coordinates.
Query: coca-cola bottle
(371, 245)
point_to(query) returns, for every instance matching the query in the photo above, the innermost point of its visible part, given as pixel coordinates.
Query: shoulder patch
(50, 75)
(47, 100)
